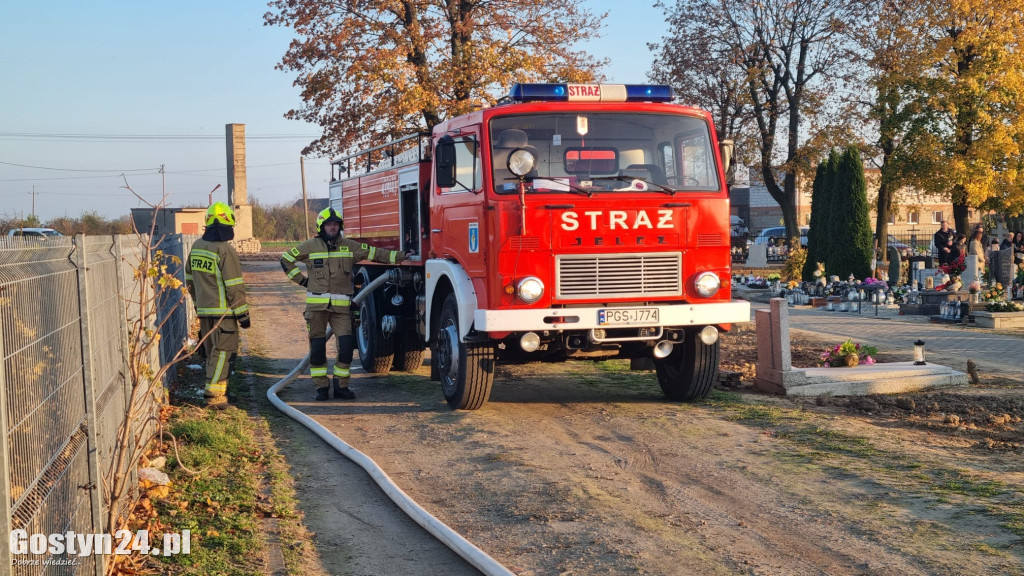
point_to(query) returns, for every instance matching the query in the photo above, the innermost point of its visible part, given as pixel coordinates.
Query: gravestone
(925, 273)
(758, 256)
(773, 346)
(895, 262)
(916, 273)
(972, 273)
(1003, 267)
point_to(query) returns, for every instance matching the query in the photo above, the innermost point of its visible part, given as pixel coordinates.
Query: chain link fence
(67, 308)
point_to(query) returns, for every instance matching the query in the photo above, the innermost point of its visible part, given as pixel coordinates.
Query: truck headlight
(521, 161)
(707, 284)
(530, 289)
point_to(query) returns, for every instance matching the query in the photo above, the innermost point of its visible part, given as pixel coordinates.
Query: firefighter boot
(343, 392)
(215, 395)
(321, 382)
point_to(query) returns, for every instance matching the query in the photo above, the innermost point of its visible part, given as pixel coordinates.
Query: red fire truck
(567, 222)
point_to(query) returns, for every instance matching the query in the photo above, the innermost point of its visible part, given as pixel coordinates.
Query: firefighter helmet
(220, 213)
(328, 215)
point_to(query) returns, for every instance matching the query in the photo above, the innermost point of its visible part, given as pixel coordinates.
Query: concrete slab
(999, 320)
(888, 378)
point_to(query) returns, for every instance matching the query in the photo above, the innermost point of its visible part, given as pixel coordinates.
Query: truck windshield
(605, 152)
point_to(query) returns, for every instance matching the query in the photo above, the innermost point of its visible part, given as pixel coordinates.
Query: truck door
(458, 229)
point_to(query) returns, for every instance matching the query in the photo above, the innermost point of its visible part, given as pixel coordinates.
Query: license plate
(627, 316)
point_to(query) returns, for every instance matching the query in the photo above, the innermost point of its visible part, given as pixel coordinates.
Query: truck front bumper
(675, 315)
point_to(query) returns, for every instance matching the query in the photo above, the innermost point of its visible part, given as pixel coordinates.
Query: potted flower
(847, 354)
(974, 288)
(953, 269)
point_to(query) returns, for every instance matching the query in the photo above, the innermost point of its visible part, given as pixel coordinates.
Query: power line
(40, 136)
(78, 170)
(115, 173)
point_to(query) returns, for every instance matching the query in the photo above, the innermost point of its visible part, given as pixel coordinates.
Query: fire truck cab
(567, 222)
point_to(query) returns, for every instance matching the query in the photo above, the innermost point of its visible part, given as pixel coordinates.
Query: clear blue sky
(79, 79)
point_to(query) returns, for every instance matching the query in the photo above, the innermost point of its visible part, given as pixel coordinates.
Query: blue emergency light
(591, 93)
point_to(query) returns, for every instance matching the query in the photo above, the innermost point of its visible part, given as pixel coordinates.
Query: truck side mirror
(726, 147)
(444, 162)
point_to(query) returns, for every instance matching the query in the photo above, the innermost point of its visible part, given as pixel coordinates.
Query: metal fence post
(126, 270)
(5, 472)
(122, 314)
(92, 434)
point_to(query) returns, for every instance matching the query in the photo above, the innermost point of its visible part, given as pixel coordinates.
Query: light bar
(591, 93)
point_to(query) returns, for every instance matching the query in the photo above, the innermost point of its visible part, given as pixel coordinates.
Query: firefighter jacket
(214, 279)
(329, 269)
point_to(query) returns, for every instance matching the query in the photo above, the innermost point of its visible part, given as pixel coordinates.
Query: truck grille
(618, 275)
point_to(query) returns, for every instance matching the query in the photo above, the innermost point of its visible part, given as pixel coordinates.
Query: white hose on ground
(452, 539)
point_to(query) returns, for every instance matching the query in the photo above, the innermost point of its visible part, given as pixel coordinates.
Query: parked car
(779, 233)
(35, 233)
(903, 248)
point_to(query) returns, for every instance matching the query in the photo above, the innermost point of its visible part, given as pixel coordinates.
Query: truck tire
(376, 352)
(690, 371)
(466, 369)
(408, 351)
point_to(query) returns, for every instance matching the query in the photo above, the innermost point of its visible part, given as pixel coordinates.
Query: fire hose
(439, 530)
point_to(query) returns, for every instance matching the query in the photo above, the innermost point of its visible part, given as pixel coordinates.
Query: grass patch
(220, 505)
(818, 446)
(223, 503)
(613, 366)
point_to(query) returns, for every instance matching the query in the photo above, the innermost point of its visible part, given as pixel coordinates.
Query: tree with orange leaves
(963, 83)
(376, 69)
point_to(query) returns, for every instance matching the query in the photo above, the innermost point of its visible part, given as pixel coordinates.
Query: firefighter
(214, 278)
(329, 258)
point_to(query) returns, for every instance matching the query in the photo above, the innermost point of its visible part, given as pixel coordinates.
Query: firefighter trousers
(340, 322)
(221, 347)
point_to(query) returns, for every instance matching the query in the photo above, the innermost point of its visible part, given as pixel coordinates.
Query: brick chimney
(238, 197)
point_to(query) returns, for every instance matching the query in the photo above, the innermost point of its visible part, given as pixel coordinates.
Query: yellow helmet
(328, 215)
(220, 213)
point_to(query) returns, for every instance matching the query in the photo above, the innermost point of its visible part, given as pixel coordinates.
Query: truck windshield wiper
(665, 189)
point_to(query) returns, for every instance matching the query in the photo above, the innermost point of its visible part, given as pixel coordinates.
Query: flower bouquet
(954, 268)
(847, 354)
(995, 293)
(1003, 306)
(900, 294)
(757, 283)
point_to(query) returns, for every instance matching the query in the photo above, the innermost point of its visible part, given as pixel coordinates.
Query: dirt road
(584, 468)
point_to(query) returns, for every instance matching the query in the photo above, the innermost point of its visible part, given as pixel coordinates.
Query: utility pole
(305, 202)
(33, 193)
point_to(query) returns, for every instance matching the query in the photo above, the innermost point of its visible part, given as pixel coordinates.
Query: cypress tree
(851, 247)
(817, 235)
(828, 214)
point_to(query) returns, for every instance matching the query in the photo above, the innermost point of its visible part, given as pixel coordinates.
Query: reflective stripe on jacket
(329, 269)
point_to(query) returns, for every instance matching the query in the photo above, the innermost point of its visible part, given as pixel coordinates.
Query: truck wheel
(408, 352)
(376, 353)
(690, 371)
(466, 369)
